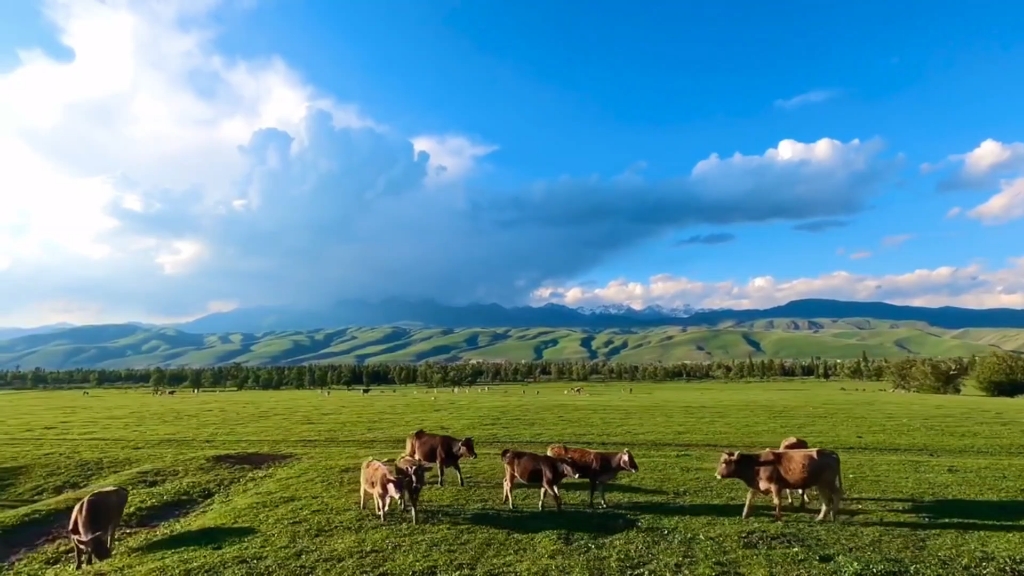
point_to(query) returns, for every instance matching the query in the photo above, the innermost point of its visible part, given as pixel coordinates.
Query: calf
(443, 450)
(794, 443)
(772, 471)
(530, 468)
(597, 467)
(380, 483)
(93, 522)
(411, 472)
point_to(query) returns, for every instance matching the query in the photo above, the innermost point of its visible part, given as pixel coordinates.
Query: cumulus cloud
(973, 286)
(980, 168)
(1005, 206)
(153, 178)
(812, 97)
(815, 226)
(709, 239)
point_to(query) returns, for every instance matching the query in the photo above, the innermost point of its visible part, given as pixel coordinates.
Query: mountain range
(397, 331)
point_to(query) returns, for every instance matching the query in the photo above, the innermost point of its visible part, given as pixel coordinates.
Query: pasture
(933, 482)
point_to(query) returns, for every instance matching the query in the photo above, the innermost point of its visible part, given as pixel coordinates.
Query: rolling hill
(129, 345)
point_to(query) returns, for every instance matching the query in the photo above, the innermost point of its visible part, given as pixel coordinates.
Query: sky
(164, 160)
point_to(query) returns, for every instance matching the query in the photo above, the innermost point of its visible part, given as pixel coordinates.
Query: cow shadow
(675, 509)
(525, 521)
(211, 537)
(955, 514)
(610, 488)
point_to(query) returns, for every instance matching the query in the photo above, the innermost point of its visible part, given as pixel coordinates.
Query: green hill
(124, 346)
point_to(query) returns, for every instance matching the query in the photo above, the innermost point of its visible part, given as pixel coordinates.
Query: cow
(412, 473)
(531, 468)
(366, 391)
(93, 522)
(794, 443)
(171, 392)
(440, 449)
(772, 471)
(381, 483)
(85, 392)
(597, 467)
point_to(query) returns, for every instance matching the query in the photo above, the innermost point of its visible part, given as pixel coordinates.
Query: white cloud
(979, 168)
(152, 177)
(812, 97)
(860, 255)
(971, 286)
(452, 157)
(896, 240)
(1005, 206)
(954, 212)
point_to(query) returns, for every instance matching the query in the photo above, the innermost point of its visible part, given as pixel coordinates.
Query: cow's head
(416, 470)
(566, 468)
(466, 448)
(727, 465)
(627, 461)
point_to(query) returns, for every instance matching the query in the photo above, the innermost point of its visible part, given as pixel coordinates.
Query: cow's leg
(593, 485)
(803, 498)
(557, 497)
(543, 491)
(777, 500)
(508, 492)
(458, 470)
(604, 503)
(78, 555)
(362, 498)
(748, 505)
(110, 537)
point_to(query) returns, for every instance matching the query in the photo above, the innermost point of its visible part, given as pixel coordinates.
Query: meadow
(933, 482)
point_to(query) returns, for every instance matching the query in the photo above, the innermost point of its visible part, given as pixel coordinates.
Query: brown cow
(772, 471)
(411, 472)
(93, 523)
(380, 482)
(597, 467)
(531, 468)
(440, 449)
(794, 443)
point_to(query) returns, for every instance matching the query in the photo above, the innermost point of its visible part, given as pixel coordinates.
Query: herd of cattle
(794, 467)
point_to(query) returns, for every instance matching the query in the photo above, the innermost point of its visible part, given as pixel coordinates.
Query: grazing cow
(531, 468)
(93, 523)
(772, 471)
(597, 467)
(366, 391)
(381, 483)
(794, 443)
(412, 473)
(85, 392)
(171, 392)
(443, 450)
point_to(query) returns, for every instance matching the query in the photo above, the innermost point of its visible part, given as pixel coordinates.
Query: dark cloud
(815, 226)
(715, 238)
(343, 212)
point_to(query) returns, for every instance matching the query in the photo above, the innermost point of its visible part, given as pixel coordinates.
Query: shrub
(1000, 374)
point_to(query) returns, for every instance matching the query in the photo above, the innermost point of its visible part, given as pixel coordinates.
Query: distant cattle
(93, 522)
(376, 480)
(577, 390)
(597, 467)
(530, 468)
(440, 449)
(794, 443)
(85, 392)
(772, 471)
(171, 392)
(366, 391)
(412, 474)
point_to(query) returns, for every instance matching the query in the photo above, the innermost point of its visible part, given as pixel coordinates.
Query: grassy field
(933, 482)
(123, 346)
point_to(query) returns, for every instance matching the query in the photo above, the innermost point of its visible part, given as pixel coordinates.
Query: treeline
(999, 374)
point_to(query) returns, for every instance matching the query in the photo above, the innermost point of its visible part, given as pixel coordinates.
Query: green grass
(933, 482)
(131, 346)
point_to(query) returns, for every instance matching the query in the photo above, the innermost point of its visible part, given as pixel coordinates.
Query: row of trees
(998, 374)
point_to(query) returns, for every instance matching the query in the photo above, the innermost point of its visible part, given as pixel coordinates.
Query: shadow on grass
(969, 510)
(674, 509)
(212, 537)
(954, 525)
(17, 503)
(610, 488)
(602, 523)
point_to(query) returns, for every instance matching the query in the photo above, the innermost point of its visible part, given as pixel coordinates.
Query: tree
(1000, 374)
(158, 378)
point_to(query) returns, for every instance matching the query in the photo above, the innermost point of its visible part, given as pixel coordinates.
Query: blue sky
(550, 96)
